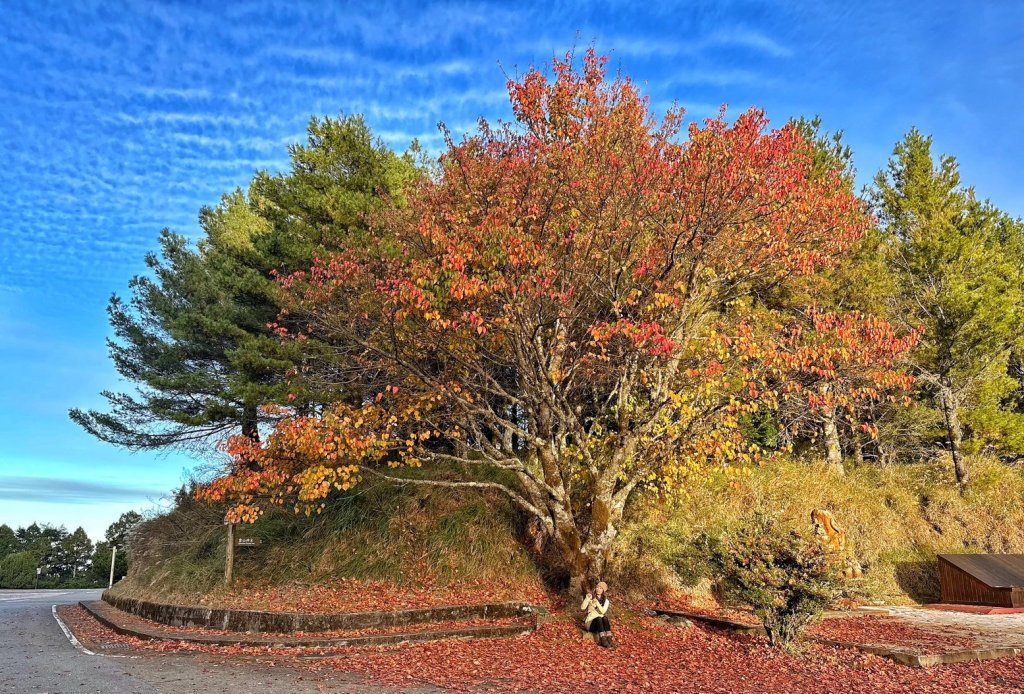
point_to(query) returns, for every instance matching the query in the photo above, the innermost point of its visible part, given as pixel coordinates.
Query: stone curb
(895, 654)
(923, 659)
(115, 619)
(288, 622)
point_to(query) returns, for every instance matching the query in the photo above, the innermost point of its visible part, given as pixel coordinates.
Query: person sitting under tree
(596, 605)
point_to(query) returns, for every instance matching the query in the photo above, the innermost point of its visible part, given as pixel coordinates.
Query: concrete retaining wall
(130, 625)
(289, 622)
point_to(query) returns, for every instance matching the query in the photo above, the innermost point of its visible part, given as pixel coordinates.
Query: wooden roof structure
(996, 580)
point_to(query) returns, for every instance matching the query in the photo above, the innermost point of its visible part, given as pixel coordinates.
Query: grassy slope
(410, 536)
(896, 518)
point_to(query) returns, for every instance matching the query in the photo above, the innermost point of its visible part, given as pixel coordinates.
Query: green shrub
(18, 570)
(786, 579)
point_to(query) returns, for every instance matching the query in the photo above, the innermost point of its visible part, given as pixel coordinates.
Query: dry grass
(897, 519)
(407, 536)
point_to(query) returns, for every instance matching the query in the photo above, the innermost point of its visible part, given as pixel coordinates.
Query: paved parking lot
(36, 657)
(988, 630)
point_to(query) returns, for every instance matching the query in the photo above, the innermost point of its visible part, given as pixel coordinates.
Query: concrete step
(287, 622)
(129, 625)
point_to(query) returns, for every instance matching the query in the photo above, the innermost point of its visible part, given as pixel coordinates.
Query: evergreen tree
(44, 543)
(187, 339)
(31, 538)
(1007, 424)
(120, 531)
(77, 548)
(99, 569)
(196, 336)
(18, 570)
(119, 534)
(956, 283)
(8, 541)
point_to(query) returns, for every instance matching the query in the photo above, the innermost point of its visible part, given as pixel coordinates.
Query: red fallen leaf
(884, 630)
(651, 657)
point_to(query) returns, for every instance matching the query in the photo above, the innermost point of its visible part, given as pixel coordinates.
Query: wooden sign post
(113, 561)
(229, 555)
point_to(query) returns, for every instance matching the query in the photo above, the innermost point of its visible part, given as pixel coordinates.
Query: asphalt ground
(37, 656)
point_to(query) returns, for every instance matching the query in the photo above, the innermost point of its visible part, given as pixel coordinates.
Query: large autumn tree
(567, 303)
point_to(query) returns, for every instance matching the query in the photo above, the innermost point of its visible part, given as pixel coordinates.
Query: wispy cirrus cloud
(181, 93)
(71, 491)
(746, 38)
(231, 120)
(716, 77)
(262, 144)
(679, 45)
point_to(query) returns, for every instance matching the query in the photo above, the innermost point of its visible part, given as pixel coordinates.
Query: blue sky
(118, 119)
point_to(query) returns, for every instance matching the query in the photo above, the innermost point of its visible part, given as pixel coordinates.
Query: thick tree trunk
(954, 433)
(579, 562)
(584, 573)
(833, 449)
(830, 435)
(585, 559)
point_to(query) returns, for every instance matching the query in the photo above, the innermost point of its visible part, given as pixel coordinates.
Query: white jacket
(594, 608)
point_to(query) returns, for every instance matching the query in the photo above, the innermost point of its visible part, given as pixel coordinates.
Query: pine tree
(956, 282)
(77, 549)
(8, 541)
(18, 570)
(196, 337)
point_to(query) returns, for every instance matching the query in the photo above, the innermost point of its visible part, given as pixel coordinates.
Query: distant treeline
(47, 556)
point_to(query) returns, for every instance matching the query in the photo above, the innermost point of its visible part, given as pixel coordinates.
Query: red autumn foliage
(552, 305)
(829, 364)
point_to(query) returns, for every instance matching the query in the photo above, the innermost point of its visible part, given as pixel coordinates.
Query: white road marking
(67, 632)
(30, 595)
(20, 598)
(78, 644)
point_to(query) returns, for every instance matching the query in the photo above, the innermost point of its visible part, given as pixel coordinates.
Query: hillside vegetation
(463, 543)
(897, 519)
(410, 538)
